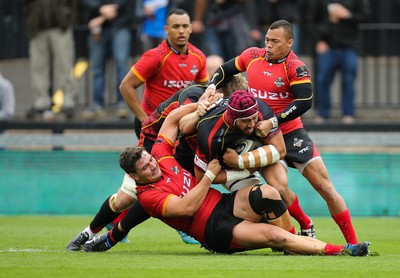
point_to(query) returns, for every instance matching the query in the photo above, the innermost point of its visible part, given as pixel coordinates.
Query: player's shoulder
(253, 53)
(193, 92)
(296, 66)
(196, 50)
(158, 52)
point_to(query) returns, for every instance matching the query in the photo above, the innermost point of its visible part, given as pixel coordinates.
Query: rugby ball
(247, 145)
(244, 146)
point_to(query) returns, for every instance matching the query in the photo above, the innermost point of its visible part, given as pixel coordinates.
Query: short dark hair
(178, 12)
(129, 157)
(285, 25)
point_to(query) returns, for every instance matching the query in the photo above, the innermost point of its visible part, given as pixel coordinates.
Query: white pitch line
(27, 250)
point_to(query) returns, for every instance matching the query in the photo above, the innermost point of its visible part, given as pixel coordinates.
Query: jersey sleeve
(244, 59)
(147, 65)
(155, 201)
(163, 147)
(298, 73)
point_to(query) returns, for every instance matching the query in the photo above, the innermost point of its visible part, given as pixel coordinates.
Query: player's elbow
(282, 152)
(123, 87)
(189, 211)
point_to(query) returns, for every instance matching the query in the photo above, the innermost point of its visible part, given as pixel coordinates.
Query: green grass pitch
(34, 246)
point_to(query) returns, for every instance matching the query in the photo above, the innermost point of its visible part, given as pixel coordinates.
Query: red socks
(297, 213)
(344, 222)
(331, 249)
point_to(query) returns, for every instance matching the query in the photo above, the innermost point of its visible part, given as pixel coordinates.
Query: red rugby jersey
(165, 71)
(175, 181)
(271, 81)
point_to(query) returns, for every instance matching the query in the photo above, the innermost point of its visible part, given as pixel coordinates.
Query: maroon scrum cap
(241, 105)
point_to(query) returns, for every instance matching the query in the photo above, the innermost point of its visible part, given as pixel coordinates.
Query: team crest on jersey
(278, 83)
(194, 70)
(301, 71)
(297, 142)
(175, 169)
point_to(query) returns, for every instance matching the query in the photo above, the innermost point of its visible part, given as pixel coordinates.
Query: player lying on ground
(224, 223)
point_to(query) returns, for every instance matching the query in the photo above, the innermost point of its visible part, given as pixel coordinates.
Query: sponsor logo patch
(301, 71)
(297, 142)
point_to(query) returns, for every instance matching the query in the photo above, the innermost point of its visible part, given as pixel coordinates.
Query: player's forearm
(221, 75)
(303, 101)
(293, 111)
(187, 124)
(192, 201)
(134, 105)
(171, 123)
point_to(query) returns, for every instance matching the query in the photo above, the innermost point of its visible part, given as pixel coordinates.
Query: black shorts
(299, 147)
(218, 233)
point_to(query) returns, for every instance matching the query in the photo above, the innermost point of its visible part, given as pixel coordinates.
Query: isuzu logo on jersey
(194, 70)
(177, 83)
(269, 95)
(278, 83)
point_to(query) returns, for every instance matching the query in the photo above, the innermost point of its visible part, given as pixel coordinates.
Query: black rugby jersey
(215, 134)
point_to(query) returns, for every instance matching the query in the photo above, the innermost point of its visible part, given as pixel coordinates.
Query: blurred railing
(378, 81)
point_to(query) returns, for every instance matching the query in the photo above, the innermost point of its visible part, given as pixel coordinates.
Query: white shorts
(239, 184)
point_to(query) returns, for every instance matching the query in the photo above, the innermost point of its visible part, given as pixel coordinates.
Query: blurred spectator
(7, 99)
(335, 27)
(154, 13)
(225, 25)
(268, 11)
(52, 53)
(213, 62)
(109, 22)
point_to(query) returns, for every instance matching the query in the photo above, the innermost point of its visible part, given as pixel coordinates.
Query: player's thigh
(251, 235)
(276, 175)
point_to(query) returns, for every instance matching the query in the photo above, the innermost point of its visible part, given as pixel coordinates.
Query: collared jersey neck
(277, 61)
(176, 51)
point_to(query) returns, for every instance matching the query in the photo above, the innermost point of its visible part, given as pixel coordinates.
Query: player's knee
(270, 203)
(119, 202)
(281, 186)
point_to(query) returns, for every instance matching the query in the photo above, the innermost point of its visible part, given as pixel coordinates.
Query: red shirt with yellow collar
(164, 70)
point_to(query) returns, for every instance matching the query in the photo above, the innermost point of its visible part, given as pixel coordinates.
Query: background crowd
(122, 30)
